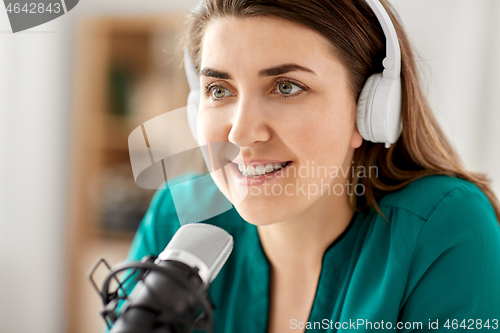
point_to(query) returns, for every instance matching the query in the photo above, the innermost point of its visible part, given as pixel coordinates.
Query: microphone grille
(209, 243)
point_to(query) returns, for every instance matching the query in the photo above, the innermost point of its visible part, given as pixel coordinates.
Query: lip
(257, 180)
(257, 162)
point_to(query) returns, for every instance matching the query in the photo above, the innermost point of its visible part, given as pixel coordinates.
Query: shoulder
(442, 217)
(450, 230)
(425, 195)
(446, 218)
(442, 212)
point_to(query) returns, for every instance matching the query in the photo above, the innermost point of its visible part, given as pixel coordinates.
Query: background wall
(459, 43)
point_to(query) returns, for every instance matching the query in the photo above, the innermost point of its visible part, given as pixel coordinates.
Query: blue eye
(218, 92)
(288, 88)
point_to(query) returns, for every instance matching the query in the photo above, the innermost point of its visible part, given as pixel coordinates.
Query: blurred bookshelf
(128, 71)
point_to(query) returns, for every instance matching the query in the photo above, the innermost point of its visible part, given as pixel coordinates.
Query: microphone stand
(172, 307)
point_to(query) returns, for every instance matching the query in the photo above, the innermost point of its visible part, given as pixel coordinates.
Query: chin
(258, 219)
(264, 211)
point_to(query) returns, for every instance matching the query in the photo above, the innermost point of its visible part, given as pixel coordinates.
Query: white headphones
(379, 104)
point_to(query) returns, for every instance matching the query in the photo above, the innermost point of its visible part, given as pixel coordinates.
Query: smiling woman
(336, 221)
(282, 104)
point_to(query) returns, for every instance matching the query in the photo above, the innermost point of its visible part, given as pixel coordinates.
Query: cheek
(324, 129)
(211, 126)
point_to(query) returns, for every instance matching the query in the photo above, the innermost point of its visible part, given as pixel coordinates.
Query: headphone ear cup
(365, 102)
(193, 104)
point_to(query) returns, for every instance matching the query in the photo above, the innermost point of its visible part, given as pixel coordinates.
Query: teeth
(251, 170)
(258, 170)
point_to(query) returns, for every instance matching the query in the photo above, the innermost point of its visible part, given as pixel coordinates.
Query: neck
(300, 244)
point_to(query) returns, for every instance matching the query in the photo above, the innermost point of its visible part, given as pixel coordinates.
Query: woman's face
(275, 89)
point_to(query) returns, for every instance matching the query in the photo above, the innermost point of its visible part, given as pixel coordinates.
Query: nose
(249, 127)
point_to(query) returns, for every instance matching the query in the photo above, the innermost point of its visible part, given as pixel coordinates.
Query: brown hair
(359, 43)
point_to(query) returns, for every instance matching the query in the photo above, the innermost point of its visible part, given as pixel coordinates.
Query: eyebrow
(274, 71)
(283, 69)
(215, 73)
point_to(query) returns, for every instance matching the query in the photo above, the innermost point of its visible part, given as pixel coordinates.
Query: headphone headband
(392, 61)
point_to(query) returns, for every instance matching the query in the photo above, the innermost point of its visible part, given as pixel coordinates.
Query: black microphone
(172, 295)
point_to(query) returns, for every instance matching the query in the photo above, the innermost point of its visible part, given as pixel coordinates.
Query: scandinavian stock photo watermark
(310, 179)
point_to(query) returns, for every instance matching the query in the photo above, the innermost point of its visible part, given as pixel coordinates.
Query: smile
(256, 170)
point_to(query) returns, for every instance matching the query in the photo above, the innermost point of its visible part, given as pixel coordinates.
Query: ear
(356, 139)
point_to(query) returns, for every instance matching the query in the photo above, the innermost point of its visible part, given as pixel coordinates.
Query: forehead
(262, 41)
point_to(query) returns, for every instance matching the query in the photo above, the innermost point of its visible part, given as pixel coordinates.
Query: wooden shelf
(127, 72)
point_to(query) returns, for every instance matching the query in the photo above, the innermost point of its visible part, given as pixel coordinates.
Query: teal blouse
(435, 264)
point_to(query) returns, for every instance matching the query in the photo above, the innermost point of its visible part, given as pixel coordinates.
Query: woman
(365, 237)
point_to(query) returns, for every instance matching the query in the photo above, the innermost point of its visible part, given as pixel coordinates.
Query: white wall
(460, 45)
(33, 166)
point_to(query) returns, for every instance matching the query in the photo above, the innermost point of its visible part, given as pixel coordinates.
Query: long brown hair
(358, 41)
